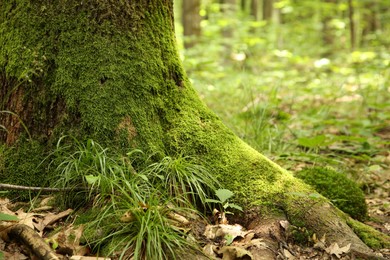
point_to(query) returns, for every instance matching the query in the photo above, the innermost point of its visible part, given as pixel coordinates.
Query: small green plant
(7, 217)
(223, 196)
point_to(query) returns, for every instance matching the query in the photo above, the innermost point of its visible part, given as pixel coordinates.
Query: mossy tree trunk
(109, 70)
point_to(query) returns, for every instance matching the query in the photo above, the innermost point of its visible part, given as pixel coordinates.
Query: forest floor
(57, 229)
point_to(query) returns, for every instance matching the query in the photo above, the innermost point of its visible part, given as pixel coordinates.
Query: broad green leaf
(235, 206)
(212, 201)
(223, 194)
(91, 179)
(229, 239)
(7, 217)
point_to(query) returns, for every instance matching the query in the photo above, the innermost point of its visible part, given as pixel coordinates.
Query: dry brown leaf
(249, 236)
(50, 219)
(69, 237)
(210, 250)
(234, 252)
(334, 249)
(284, 224)
(319, 244)
(288, 255)
(29, 219)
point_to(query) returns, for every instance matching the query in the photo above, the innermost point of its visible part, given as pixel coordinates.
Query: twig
(4, 186)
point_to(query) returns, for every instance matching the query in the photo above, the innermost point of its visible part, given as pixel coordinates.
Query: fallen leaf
(50, 219)
(284, 224)
(334, 249)
(234, 252)
(288, 255)
(28, 219)
(210, 250)
(213, 231)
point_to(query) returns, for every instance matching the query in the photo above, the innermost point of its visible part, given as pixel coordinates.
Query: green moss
(300, 235)
(24, 164)
(123, 85)
(343, 192)
(370, 236)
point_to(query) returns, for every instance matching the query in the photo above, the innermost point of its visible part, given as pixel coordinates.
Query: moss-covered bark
(109, 70)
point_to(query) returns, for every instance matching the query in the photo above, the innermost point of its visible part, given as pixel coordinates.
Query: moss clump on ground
(336, 186)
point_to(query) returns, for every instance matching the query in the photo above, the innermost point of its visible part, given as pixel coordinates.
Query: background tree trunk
(110, 71)
(255, 9)
(191, 22)
(352, 27)
(229, 8)
(371, 21)
(328, 34)
(268, 9)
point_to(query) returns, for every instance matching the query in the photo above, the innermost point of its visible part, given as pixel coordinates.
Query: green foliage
(223, 196)
(146, 192)
(336, 186)
(89, 166)
(149, 234)
(7, 217)
(180, 176)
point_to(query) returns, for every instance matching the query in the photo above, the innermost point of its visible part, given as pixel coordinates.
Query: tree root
(325, 219)
(27, 236)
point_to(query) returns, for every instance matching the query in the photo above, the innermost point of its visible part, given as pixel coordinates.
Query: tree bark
(328, 35)
(229, 9)
(267, 10)
(255, 9)
(109, 70)
(352, 29)
(371, 21)
(191, 22)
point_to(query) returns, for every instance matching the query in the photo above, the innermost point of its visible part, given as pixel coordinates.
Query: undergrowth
(137, 201)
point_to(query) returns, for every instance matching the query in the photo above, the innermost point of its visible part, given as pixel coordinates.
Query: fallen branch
(26, 235)
(4, 186)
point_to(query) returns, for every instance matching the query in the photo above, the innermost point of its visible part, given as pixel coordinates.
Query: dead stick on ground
(4, 186)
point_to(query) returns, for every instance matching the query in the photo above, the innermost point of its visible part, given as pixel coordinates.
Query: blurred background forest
(305, 82)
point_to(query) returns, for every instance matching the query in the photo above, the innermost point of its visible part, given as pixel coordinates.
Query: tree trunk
(371, 22)
(229, 9)
(191, 22)
(268, 10)
(255, 9)
(352, 29)
(109, 70)
(328, 35)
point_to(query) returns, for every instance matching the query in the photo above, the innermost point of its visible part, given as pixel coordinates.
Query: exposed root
(27, 236)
